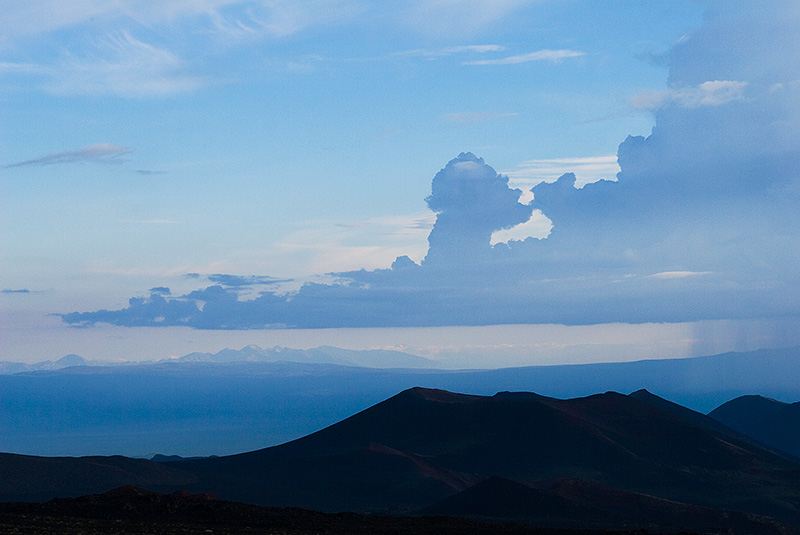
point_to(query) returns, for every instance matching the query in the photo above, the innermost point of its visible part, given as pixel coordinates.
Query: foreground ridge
(134, 510)
(607, 461)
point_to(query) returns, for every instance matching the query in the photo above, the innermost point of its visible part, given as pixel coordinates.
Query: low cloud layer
(703, 221)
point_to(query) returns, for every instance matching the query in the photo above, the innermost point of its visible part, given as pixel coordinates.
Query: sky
(419, 174)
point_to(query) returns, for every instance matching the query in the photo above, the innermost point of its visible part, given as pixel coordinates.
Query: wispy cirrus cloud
(151, 221)
(102, 56)
(430, 54)
(457, 17)
(9, 67)
(25, 19)
(433, 53)
(227, 18)
(479, 49)
(281, 18)
(122, 65)
(666, 275)
(116, 64)
(104, 153)
(539, 55)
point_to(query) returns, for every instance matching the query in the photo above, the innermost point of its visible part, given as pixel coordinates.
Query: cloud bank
(703, 221)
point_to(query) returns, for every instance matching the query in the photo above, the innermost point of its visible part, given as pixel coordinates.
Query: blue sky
(177, 145)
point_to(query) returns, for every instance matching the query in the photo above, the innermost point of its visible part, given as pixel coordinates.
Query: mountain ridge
(583, 437)
(702, 383)
(772, 422)
(241, 406)
(425, 446)
(368, 358)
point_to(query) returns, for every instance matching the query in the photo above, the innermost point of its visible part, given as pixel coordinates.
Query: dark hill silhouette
(501, 498)
(423, 446)
(576, 503)
(135, 510)
(701, 420)
(29, 478)
(771, 422)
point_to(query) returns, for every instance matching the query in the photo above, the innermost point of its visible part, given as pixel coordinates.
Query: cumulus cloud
(701, 222)
(102, 153)
(161, 290)
(471, 201)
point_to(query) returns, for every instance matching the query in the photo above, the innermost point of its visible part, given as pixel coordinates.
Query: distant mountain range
(607, 461)
(371, 358)
(228, 407)
(64, 362)
(368, 358)
(701, 383)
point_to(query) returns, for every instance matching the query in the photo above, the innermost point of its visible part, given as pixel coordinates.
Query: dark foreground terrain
(129, 510)
(605, 462)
